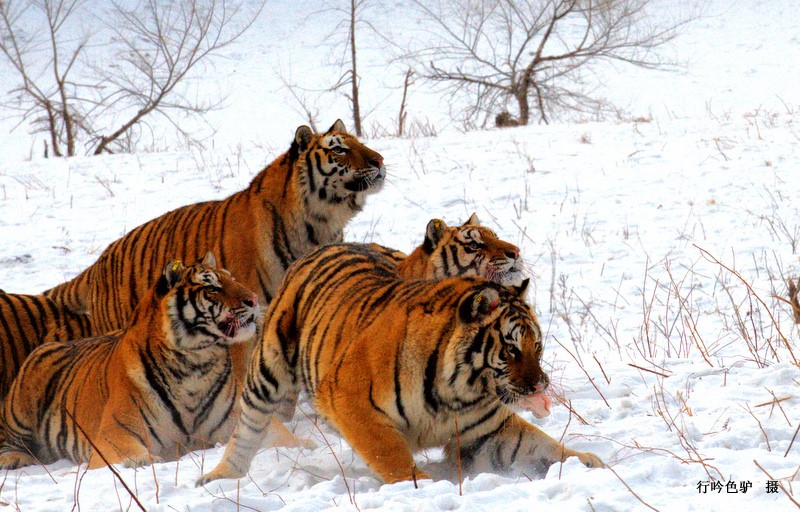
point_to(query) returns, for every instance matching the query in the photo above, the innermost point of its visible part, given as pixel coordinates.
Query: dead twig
(103, 457)
(780, 484)
(631, 490)
(786, 343)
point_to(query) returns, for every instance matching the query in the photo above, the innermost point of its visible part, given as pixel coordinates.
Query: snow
(662, 351)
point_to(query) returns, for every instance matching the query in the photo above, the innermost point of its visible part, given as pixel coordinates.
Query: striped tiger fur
(466, 250)
(162, 387)
(391, 359)
(469, 250)
(28, 320)
(300, 201)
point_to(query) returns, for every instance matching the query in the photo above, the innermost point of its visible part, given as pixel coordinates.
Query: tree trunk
(524, 108)
(354, 75)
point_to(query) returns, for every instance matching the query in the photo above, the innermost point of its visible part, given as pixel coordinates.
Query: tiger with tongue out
(395, 364)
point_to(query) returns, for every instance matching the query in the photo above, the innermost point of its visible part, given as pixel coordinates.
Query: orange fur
(160, 388)
(300, 201)
(28, 320)
(467, 250)
(392, 359)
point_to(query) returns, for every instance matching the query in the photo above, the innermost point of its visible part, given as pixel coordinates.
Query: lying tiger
(163, 387)
(28, 320)
(390, 362)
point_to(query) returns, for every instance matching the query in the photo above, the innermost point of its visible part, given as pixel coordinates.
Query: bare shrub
(103, 94)
(542, 51)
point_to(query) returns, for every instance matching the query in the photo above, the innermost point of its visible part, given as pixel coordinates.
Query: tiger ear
(173, 273)
(476, 306)
(338, 126)
(433, 234)
(209, 260)
(472, 221)
(302, 137)
(522, 289)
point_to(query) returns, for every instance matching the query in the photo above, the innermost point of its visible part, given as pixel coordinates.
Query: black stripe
(287, 182)
(312, 236)
(374, 404)
(398, 399)
(483, 419)
(515, 451)
(156, 382)
(429, 382)
(310, 173)
(223, 228)
(478, 443)
(280, 241)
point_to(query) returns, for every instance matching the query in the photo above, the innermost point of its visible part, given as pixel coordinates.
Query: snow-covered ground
(658, 246)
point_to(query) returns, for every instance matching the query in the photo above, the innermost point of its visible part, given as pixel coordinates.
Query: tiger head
(205, 306)
(505, 348)
(466, 250)
(335, 168)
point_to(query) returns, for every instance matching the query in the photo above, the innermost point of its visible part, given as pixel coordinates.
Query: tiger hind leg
(370, 433)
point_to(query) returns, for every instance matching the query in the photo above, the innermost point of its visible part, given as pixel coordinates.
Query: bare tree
(401, 117)
(352, 14)
(540, 51)
(160, 44)
(44, 59)
(138, 76)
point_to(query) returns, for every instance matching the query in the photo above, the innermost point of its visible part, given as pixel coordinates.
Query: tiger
(300, 201)
(28, 320)
(160, 388)
(400, 360)
(468, 250)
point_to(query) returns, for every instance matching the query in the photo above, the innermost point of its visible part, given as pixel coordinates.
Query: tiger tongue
(537, 403)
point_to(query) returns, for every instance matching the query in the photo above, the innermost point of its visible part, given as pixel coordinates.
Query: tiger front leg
(518, 444)
(120, 448)
(267, 384)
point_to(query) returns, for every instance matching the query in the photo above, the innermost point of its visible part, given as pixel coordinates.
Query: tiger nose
(376, 161)
(513, 254)
(251, 301)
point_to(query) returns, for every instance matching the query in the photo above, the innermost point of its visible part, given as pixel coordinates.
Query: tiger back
(394, 359)
(162, 387)
(298, 202)
(26, 321)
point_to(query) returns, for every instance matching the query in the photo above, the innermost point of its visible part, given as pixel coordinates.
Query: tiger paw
(280, 436)
(415, 475)
(223, 470)
(13, 459)
(142, 460)
(590, 460)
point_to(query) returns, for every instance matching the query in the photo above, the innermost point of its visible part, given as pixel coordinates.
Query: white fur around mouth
(537, 403)
(236, 328)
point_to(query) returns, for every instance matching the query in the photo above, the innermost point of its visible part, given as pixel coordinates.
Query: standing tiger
(300, 201)
(25, 322)
(162, 387)
(395, 360)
